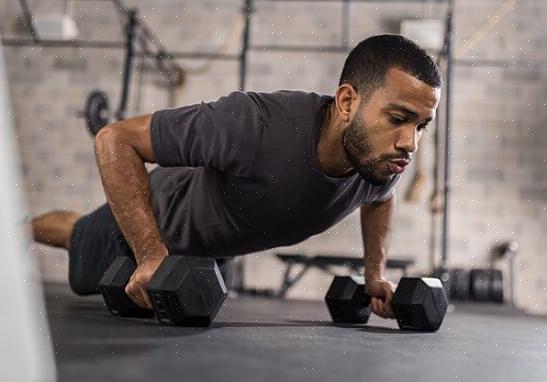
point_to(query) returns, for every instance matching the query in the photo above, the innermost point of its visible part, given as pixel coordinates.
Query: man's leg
(54, 228)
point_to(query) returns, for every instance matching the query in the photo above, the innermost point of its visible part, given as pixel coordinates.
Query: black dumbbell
(187, 291)
(418, 303)
(184, 290)
(112, 286)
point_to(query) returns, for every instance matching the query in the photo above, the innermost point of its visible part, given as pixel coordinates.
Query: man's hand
(136, 287)
(381, 292)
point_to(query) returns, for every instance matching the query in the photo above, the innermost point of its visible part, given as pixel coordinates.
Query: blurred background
(58, 52)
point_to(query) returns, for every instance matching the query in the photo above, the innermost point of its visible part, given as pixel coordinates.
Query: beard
(359, 152)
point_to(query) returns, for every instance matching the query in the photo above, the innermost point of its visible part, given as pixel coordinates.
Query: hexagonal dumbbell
(187, 291)
(112, 286)
(418, 303)
(184, 290)
(346, 300)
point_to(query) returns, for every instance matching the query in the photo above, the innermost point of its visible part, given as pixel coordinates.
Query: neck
(332, 157)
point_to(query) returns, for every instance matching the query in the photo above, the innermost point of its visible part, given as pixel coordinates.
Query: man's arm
(376, 219)
(121, 149)
(375, 227)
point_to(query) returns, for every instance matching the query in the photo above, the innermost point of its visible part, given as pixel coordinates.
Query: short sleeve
(223, 134)
(374, 194)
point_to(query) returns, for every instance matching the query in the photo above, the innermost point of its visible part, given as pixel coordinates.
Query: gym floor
(286, 340)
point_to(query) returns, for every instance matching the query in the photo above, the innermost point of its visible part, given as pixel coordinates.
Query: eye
(397, 120)
(422, 128)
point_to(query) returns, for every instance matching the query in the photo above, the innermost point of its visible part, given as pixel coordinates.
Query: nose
(407, 139)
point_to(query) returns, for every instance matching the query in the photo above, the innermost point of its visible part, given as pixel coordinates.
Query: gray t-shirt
(241, 174)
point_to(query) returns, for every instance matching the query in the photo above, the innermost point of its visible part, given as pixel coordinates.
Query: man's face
(385, 130)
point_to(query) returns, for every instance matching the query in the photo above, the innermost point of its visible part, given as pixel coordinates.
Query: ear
(347, 101)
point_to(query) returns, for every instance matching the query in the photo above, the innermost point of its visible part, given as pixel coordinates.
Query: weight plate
(496, 286)
(459, 288)
(97, 113)
(480, 284)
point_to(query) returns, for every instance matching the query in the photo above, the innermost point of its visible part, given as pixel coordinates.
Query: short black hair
(368, 63)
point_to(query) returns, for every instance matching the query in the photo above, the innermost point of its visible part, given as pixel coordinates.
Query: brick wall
(499, 162)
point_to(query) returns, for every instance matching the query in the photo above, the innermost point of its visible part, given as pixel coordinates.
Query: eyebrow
(405, 110)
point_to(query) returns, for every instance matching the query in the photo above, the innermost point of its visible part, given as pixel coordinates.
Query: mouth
(398, 166)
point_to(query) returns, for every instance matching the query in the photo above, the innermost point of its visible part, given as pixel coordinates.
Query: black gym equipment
(97, 112)
(112, 286)
(184, 290)
(418, 303)
(347, 301)
(486, 285)
(496, 286)
(187, 291)
(459, 288)
(479, 284)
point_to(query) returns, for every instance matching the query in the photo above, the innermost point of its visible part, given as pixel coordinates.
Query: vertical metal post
(247, 11)
(128, 66)
(345, 24)
(447, 184)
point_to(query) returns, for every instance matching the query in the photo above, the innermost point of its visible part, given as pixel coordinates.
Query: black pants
(95, 242)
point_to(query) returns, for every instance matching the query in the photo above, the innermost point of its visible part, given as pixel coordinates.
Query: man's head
(388, 92)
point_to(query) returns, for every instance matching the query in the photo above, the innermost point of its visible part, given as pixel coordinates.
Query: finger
(133, 292)
(373, 305)
(388, 297)
(381, 309)
(389, 305)
(386, 309)
(141, 300)
(389, 310)
(376, 307)
(145, 297)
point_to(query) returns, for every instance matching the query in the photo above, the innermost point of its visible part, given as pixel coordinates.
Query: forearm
(126, 185)
(376, 222)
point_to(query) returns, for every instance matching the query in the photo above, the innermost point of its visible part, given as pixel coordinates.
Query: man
(254, 170)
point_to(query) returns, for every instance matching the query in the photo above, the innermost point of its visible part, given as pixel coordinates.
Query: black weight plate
(96, 112)
(480, 284)
(496, 286)
(112, 286)
(459, 287)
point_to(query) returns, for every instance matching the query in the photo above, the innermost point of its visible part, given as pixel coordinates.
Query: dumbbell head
(346, 301)
(112, 286)
(419, 303)
(187, 291)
